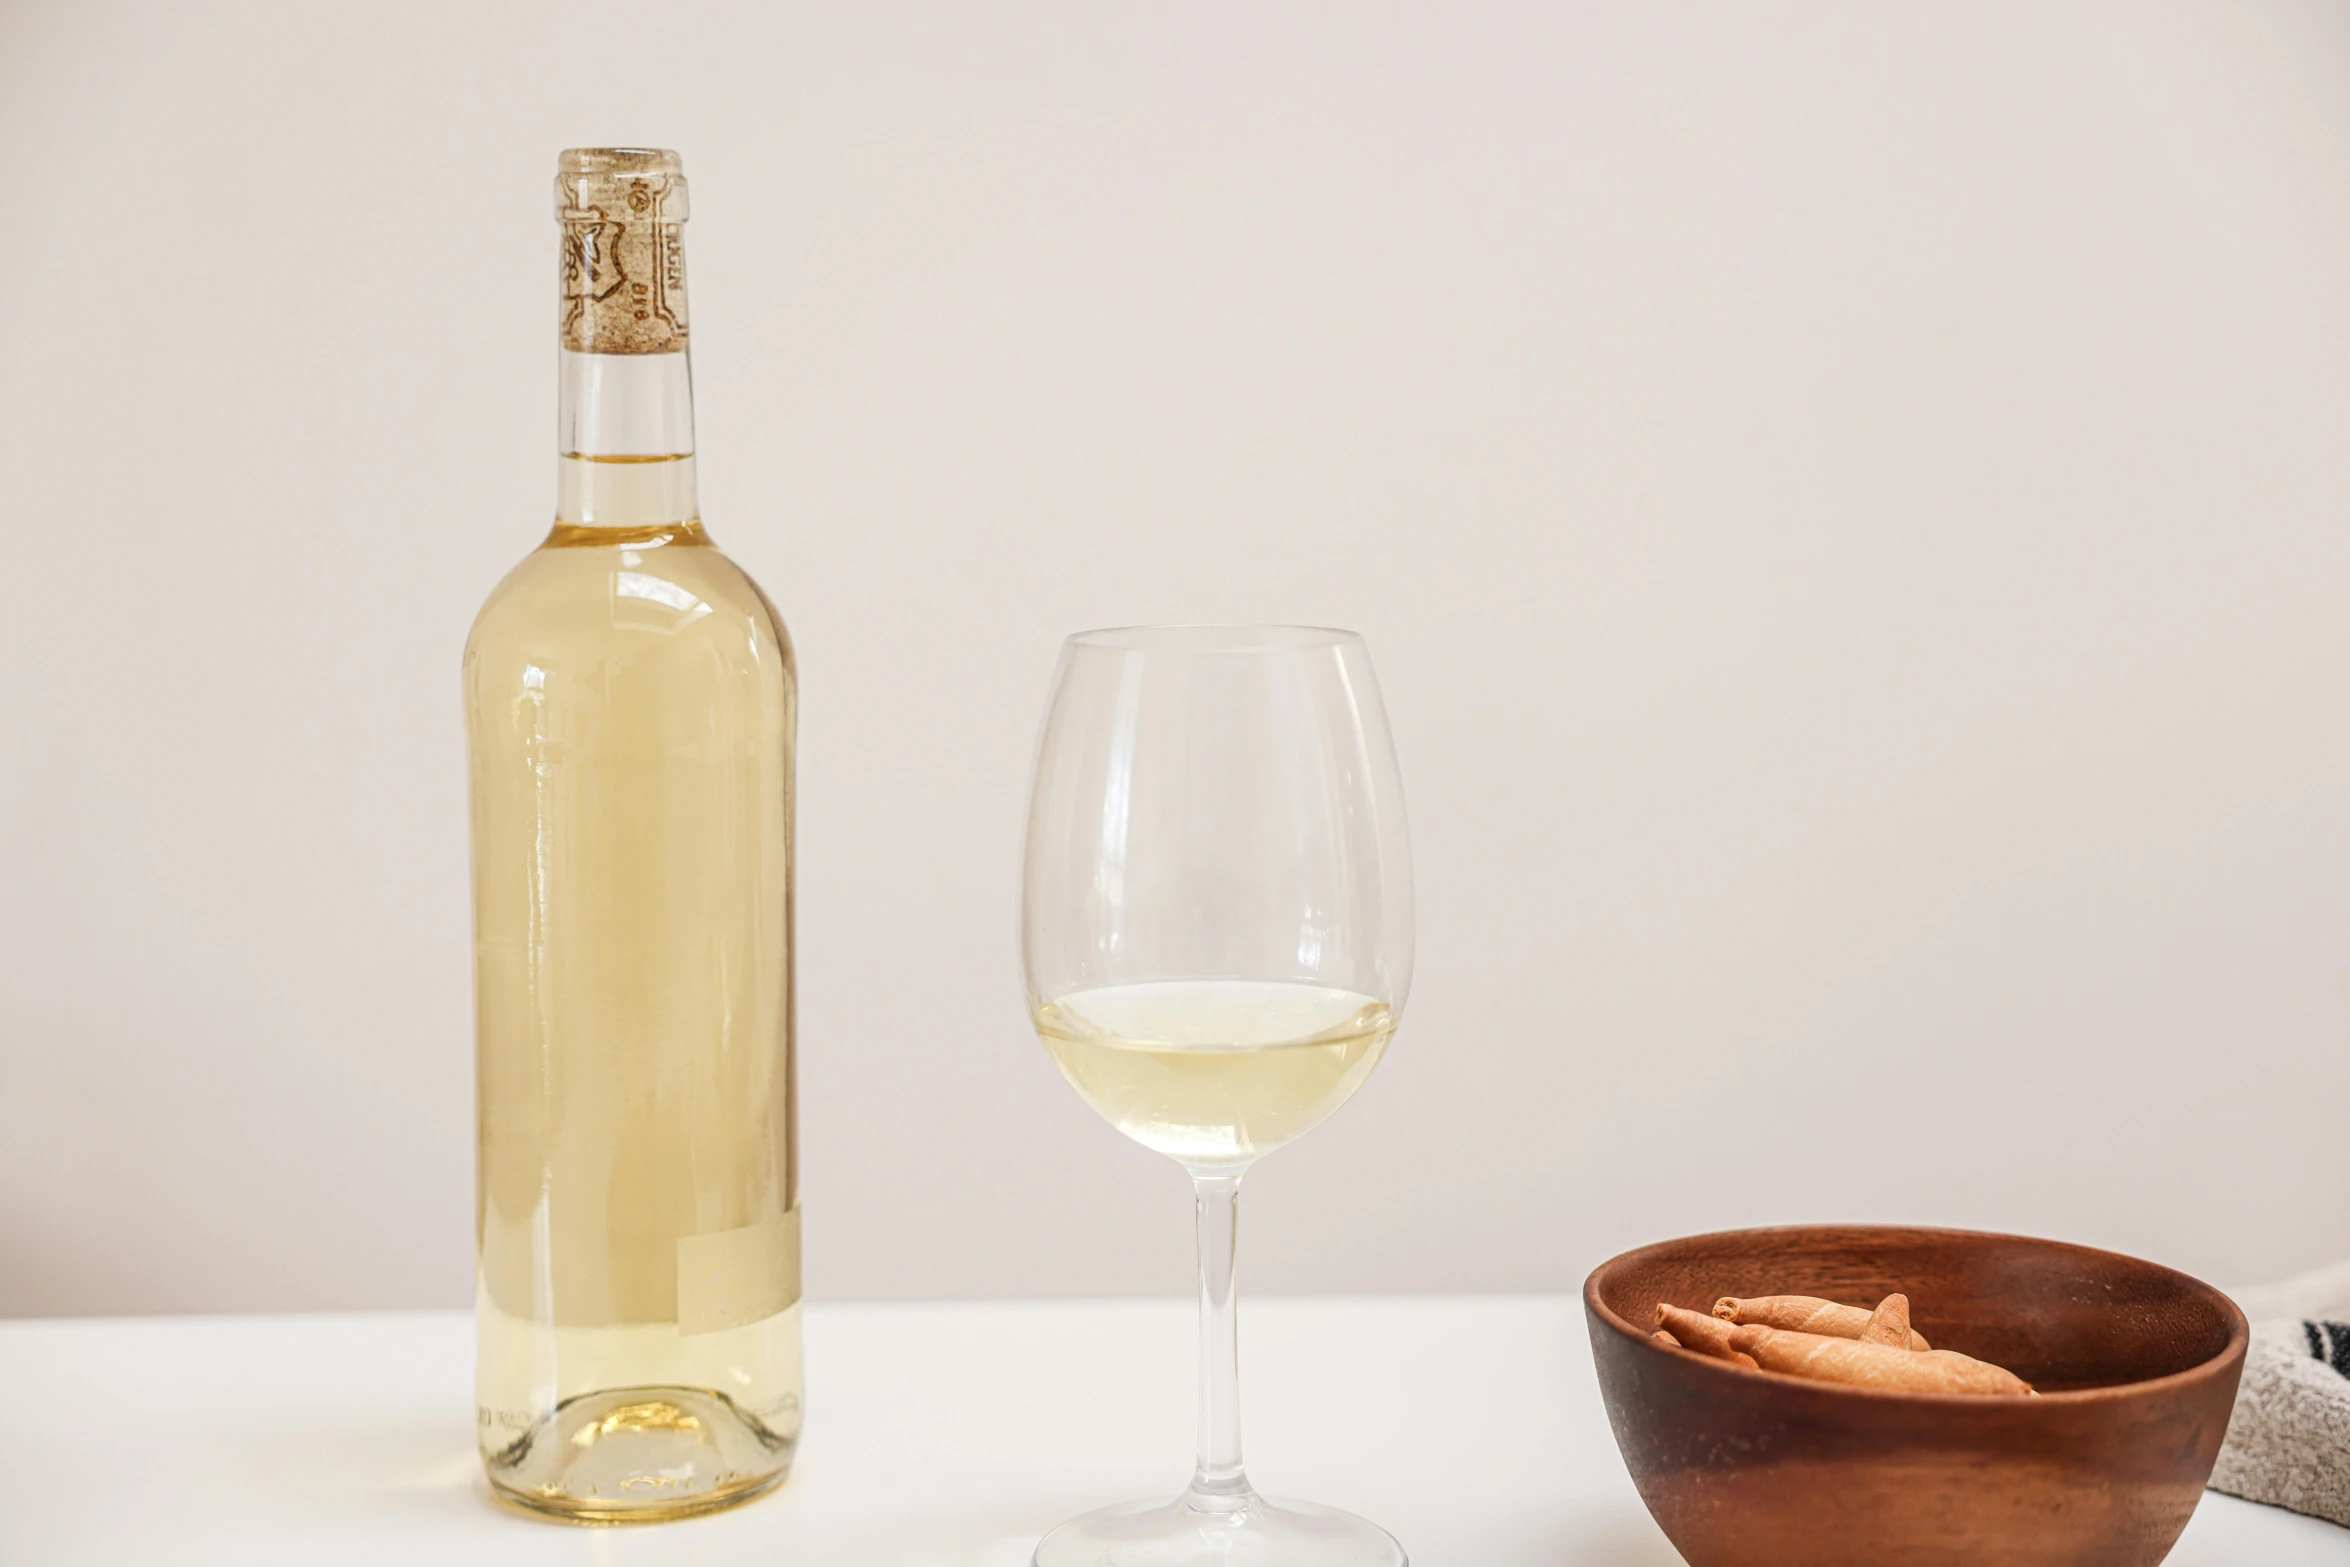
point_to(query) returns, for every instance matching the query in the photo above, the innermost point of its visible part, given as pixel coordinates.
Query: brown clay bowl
(2136, 1367)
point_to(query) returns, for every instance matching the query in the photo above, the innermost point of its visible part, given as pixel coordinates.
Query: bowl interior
(2064, 1318)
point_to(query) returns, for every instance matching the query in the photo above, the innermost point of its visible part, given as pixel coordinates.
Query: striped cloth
(2329, 1342)
(2289, 1442)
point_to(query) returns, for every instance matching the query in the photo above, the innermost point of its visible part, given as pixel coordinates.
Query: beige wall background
(1847, 500)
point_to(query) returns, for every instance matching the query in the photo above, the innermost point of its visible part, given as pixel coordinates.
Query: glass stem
(1218, 1483)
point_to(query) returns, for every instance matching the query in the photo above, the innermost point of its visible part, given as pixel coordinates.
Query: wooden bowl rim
(2239, 1330)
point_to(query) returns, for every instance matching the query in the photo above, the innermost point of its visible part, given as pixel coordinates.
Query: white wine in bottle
(629, 700)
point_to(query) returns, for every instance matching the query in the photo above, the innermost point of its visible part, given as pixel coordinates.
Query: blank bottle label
(733, 1278)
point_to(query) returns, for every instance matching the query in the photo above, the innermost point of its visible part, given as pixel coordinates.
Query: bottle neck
(625, 441)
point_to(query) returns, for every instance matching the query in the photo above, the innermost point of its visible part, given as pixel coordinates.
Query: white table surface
(938, 1436)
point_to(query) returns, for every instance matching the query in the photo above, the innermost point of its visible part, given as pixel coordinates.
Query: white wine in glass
(1217, 937)
(1215, 1071)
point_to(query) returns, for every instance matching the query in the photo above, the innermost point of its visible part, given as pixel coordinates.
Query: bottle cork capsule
(623, 212)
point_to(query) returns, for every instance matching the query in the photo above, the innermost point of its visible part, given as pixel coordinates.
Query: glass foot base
(639, 1454)
(1254, 1533)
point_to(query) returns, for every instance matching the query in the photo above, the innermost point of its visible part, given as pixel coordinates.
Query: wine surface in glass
(1215, 1071)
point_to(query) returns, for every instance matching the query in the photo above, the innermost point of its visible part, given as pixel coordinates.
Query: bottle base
(640, 1455)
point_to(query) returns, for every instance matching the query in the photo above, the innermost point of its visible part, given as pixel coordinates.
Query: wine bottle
(630, 701)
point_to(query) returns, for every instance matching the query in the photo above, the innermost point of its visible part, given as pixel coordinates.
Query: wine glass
(1216, 927)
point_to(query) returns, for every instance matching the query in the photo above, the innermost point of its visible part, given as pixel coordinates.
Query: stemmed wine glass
(1217, 936)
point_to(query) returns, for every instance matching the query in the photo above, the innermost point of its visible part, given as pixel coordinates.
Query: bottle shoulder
(648, 601)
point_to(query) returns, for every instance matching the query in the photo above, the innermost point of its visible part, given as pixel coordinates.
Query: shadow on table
(387, 1471)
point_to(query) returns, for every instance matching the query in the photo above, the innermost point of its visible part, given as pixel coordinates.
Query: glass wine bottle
(630, 702)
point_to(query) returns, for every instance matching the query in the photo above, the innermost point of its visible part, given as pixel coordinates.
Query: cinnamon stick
(1806, 1314)
(1889, 1323)
(1701, 1334)
(1858, 1363)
